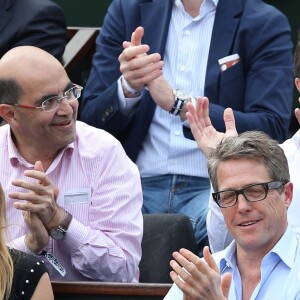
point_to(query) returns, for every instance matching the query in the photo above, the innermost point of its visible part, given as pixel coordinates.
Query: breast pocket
(78, 203)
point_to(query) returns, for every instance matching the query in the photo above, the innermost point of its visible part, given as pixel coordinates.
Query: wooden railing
(109, 291)
(81, 43)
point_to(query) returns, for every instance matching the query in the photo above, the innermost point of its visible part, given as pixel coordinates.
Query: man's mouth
(248, 223)
(64, 123)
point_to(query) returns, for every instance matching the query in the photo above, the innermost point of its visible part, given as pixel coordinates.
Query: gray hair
(10, 91)
(250, 144)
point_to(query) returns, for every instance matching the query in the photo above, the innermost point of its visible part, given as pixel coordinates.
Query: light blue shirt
(280, 272)
(165, 149)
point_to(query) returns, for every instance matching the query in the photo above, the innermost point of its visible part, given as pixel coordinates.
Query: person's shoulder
(28, 271)
(25, 262)
(94, 139)
(32, 10)
(292, 145)
(38, 4)
(261, 9)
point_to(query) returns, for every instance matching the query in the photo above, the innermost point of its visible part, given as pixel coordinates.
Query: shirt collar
(15, 156)
(285, 249)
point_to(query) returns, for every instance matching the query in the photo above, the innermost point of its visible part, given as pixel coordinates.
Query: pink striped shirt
(100, 186)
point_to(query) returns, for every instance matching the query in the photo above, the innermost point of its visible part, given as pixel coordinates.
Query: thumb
(136, 37)
(38, 166)
(225, 284)
(230, 122)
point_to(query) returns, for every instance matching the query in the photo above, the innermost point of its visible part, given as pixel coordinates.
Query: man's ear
(7, 113)
(297, 83)
(288, 191)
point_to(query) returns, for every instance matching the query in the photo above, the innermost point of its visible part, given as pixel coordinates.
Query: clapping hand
(199, 279)
(204, 132)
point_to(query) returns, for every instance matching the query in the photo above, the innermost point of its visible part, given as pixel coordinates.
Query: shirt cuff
(127, 105)
(77, 235)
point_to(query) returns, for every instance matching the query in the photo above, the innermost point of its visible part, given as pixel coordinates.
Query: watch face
(181, 95)
(57, 234)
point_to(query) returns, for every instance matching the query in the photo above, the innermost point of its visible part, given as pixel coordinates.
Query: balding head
(29, 65)
(25, 59)
(30, 76)
(27, 69)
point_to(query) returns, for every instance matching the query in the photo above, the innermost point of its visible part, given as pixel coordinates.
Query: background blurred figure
(17, 281)
(184, 41)
(39, 23)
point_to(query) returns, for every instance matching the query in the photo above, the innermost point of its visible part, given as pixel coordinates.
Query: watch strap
(178, 104)
(64, 224)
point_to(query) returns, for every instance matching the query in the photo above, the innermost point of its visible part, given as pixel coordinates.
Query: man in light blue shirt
(250, 175)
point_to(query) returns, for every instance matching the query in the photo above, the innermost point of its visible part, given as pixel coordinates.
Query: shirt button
(182, 68)
(187, 32)
(177, 132)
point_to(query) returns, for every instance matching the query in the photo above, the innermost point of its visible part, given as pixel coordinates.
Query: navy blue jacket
(39, 23)
(258, 89)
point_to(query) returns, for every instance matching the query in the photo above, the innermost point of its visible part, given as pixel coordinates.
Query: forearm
(98, 256)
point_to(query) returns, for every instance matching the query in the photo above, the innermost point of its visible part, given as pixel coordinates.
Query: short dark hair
(297, 61)
(10, 91)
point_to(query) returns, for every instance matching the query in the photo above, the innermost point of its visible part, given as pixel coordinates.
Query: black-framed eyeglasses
(252, 193)
(54, 102)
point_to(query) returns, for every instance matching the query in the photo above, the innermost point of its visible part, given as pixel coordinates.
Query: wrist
(179, 104)
(129, 92)
(31, 244)
(184, 109)
(59, 232)
(56, 219)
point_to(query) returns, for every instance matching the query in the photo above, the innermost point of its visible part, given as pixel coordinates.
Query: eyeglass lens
(70, 95)
(252, 193)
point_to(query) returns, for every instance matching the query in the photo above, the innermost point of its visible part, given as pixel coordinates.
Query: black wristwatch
(179, 99)
(59, 232)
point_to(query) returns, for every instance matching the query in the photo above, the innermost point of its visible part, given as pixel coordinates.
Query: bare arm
(43, 289)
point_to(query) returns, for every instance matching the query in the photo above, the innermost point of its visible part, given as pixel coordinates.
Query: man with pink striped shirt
(73, 195)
